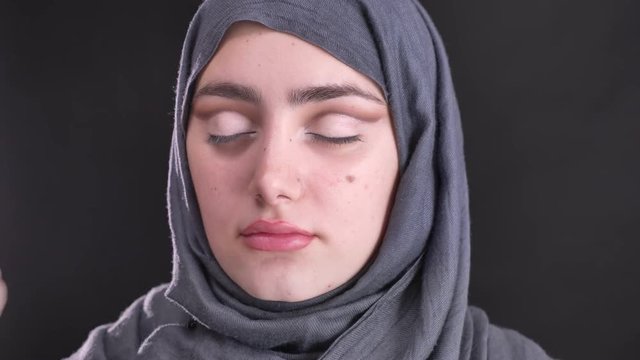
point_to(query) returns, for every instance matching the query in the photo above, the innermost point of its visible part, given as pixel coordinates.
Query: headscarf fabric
(410, 302)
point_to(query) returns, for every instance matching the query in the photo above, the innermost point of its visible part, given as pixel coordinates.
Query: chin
(288, 286)
(294, 296)
(279, 291)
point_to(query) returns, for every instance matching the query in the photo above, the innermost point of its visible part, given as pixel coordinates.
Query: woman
(317, 195)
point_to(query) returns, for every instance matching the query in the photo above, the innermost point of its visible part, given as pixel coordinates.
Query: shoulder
(510, 344)
(124, 337)
(501, 343)
(148, 312)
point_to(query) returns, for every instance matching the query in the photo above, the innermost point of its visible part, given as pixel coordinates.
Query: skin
(324, 161)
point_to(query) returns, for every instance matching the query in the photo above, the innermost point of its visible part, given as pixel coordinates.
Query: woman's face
(293, 161)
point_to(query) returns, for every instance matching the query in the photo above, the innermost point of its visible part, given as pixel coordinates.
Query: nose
(276, 179)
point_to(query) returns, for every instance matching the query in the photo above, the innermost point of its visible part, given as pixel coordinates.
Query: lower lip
(277, 242)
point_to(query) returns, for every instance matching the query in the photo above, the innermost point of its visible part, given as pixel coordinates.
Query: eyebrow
(231, 91)
(296, 97)
(328, 92)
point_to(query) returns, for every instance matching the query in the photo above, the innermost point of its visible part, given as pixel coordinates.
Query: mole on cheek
(350, 178)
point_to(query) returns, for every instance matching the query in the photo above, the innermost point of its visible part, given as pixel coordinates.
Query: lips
(267, 235)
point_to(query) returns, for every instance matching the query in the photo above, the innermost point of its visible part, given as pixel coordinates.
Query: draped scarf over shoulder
(411, 300)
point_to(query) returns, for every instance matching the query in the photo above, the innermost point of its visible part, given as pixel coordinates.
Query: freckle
(350, 178)
(265, 149)
(290, 140)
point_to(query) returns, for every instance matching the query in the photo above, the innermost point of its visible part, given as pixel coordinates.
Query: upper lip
(273, 227)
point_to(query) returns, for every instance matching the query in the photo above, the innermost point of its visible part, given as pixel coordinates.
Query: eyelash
(335, 140)
(225, 139)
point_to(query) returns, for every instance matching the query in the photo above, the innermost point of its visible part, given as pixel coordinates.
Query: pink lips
(275, 236)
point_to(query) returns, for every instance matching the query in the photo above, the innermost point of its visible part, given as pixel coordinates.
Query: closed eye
(224, 139)
(342, 140)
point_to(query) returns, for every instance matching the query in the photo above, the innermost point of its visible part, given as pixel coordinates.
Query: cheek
(370, 191)
(354, 198)
(217, 184)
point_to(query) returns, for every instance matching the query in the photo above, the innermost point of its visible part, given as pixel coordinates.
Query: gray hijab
(410, 302)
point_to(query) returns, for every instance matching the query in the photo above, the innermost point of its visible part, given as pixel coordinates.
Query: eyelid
(334, 140)
(224, 139)
(343, 115)
(355, 112)
(332, 126)
(228, 123)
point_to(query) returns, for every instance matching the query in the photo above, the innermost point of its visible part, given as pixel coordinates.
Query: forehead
(255, 55)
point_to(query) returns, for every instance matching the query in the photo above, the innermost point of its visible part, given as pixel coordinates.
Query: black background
(550, 96)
